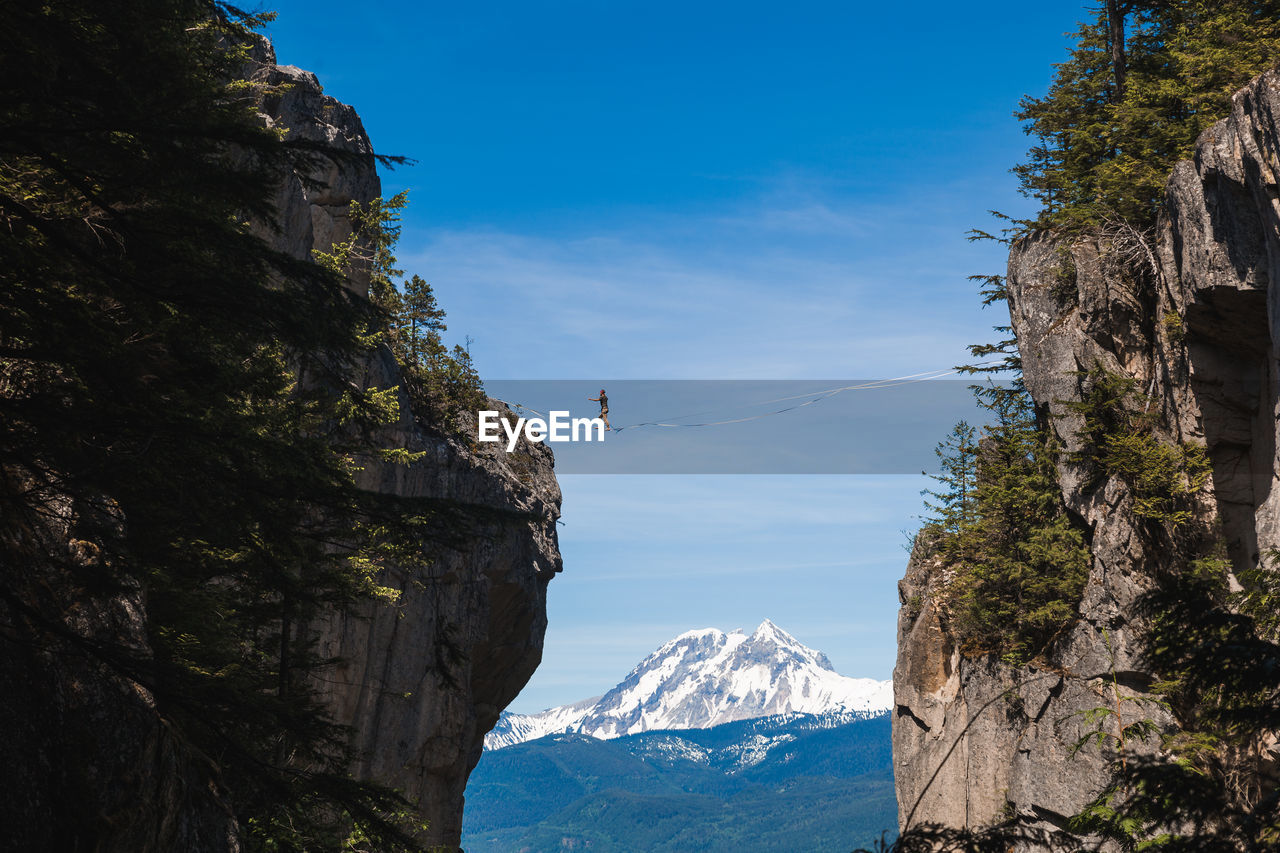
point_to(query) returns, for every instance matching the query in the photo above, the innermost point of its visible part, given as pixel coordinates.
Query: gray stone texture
(976, 740)
(82, 738)
(422, 681)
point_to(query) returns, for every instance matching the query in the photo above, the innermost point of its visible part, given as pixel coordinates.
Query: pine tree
(1019, 563)
(441, 384)
(1027, 585)
(1143, 80)
(957, 478)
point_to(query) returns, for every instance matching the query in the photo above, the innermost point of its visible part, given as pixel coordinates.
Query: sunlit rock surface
(979, 740)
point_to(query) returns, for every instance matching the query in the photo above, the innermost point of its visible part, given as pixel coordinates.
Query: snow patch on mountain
(705, 678)
(671, 748)
(755, 749)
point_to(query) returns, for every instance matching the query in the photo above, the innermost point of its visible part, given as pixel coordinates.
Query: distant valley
(715, 742)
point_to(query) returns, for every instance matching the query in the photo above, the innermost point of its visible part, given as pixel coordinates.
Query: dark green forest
(689, 790)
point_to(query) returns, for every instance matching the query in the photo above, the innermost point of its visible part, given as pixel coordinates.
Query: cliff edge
(1190, 316)
(422, 681)
(92, 759)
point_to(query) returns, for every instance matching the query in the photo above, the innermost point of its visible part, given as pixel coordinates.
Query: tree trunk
(1115, 33)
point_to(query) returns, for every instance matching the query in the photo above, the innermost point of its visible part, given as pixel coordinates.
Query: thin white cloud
(621, 507)
(735, 569)
(762, 292)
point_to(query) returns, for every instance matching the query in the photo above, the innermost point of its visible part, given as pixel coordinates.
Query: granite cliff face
(87, 754)
(1192, 315)
(422, 681)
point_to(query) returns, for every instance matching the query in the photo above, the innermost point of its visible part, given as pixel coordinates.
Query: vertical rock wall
(87, 758)
(423, 680)
(1192, 316)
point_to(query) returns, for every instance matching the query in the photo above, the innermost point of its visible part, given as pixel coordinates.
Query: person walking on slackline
(603, 400)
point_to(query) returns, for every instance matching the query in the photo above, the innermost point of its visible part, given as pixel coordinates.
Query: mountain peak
(768, 630)
(694, 634)
(703, 678)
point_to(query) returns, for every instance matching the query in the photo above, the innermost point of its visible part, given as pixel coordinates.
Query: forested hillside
(749, 785)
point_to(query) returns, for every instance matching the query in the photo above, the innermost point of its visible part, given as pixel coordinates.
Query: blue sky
(700, 190)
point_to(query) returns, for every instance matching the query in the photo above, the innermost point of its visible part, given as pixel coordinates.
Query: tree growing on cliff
(1211, 784)
(177, 396)
(954, 503)
(1019, 564)
(1117, 438)
(440, 383)
(1144, 79)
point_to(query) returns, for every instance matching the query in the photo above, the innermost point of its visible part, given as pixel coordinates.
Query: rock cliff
(422, 681)
(1191, 314)
(86, 753)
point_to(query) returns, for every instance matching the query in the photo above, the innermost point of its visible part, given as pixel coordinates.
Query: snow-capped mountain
(705, 678)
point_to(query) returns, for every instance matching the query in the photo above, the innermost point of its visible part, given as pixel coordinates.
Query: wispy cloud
(618, 508)
(647, 558)
(793, 288)
(734, 569)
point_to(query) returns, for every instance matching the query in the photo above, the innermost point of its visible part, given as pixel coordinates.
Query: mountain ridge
(704, 678)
